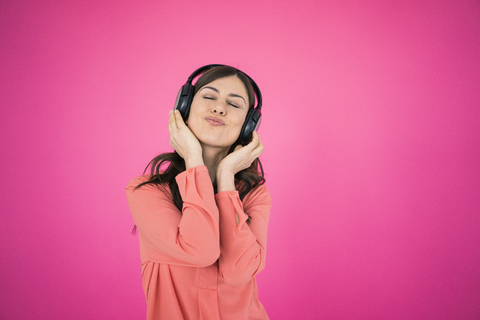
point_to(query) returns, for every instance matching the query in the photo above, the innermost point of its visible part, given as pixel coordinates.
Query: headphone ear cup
(252, 123)
(184, 100)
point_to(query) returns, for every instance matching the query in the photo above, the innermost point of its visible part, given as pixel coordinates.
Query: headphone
(254, 115)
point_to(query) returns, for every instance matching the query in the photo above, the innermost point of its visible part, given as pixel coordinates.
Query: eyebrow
(231, 94)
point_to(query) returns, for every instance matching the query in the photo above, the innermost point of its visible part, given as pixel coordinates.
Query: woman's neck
(211, 158)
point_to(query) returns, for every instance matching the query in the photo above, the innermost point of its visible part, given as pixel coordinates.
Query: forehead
(230, 84)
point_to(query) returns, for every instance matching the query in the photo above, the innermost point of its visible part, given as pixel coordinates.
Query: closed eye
(235, 106)
(209, 98)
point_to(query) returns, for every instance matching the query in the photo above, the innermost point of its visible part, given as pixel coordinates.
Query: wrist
(224, 169)
(225, 179)
(192, 162)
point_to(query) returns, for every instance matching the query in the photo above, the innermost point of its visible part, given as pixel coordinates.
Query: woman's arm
(242, 244)
(190, 237)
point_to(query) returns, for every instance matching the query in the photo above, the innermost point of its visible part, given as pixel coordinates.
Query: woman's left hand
(242, 157)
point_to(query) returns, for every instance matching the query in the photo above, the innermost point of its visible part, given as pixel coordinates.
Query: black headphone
(254, 115)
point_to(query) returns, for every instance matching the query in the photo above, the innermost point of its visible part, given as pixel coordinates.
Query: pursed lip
(215, 121)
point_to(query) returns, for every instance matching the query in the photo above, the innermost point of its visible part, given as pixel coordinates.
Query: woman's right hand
(184, 141)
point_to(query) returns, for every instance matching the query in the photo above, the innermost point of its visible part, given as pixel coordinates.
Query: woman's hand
(243, 156)
(184, 141)
(238, 160)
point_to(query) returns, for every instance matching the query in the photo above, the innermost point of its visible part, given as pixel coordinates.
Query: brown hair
(245, 180)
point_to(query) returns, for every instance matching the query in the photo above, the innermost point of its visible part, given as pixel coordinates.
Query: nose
(219, 108)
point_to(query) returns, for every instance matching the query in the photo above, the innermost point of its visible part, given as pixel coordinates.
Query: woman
(203, 221)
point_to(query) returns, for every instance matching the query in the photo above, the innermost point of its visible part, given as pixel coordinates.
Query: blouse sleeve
(243, 246)
(190, 237)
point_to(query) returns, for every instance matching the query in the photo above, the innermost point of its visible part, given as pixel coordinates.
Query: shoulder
(135, 182)
(257, 196)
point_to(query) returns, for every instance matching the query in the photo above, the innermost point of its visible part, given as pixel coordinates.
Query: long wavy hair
(245, 180)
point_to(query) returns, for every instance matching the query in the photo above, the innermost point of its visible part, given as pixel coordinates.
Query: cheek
(193, 114)
(196, 105)
(241, 119)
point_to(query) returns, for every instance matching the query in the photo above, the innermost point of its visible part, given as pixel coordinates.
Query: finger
(172, 128)
(171, 121)
(256, 153)
(238, 147)
(179, 119)
(259, 147)
(255, 140)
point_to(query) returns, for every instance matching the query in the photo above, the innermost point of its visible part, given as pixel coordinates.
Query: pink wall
(372, 135)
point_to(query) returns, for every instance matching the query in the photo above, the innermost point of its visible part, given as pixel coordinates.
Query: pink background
(372, 134)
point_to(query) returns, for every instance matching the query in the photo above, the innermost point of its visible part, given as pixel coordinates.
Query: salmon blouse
(198, 263)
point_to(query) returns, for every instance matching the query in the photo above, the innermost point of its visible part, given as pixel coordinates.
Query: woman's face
(218, 112)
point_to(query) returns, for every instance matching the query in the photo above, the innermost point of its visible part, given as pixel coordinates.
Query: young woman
(203, 222)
